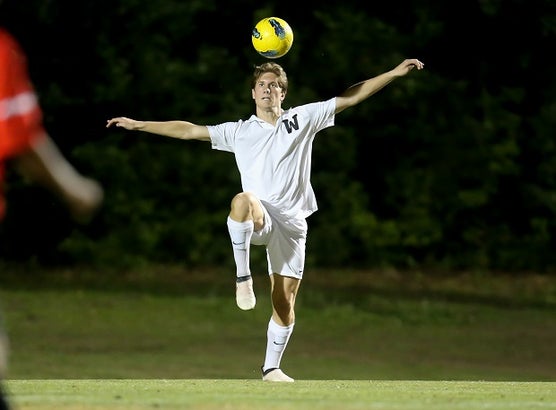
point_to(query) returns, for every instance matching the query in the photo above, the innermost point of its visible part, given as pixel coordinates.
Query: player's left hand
(407, 65)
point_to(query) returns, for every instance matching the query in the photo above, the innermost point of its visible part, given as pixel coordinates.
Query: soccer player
(25, 144)
(273, 154)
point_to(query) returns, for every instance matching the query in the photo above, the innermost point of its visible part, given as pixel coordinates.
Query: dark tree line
(451, 167)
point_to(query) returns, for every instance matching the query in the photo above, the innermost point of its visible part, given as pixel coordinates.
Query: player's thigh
(284, 287)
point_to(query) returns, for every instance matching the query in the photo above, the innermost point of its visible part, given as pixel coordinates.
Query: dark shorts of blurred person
(3, 364)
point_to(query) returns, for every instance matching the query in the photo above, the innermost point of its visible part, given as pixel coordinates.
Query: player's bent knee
(240, 207)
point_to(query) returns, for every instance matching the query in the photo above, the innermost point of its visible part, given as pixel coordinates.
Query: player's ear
(252, 93)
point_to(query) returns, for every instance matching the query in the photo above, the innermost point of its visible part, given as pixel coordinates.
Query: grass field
(255, 395)
(166, 337)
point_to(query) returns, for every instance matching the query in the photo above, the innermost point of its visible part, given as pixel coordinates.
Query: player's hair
(270, 67)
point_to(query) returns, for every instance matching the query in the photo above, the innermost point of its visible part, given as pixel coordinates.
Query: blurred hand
(84, 199)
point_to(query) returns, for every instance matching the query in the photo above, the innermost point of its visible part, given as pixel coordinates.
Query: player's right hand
(123, 122)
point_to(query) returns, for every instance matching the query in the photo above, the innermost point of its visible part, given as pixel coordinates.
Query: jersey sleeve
(223, 136)
(323, 113)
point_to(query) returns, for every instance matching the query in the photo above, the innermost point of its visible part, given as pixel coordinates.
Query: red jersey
(20, 113)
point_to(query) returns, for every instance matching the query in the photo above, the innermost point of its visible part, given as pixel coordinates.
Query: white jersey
(275, 161)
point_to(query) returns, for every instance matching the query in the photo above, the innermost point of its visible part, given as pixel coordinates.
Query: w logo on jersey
(291, 125)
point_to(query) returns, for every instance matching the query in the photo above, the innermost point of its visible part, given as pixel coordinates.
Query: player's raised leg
(241, 224)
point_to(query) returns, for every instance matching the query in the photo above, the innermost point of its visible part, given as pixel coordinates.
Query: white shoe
(245, 297)
(276, 375)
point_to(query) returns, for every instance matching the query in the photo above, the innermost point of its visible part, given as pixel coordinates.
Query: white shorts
(285, 239)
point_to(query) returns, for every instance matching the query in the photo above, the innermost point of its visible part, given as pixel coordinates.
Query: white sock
(276, 342)
(240, 234)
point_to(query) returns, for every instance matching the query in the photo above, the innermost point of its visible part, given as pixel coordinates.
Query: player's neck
(270, 115)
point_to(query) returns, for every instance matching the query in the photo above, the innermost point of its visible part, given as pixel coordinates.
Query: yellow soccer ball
(272, 37)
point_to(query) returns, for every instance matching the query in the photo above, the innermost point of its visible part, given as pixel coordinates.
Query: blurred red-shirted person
(24, 140)
(25, 144)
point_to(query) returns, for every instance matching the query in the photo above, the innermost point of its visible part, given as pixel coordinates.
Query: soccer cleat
(276, 375)
(245, 297)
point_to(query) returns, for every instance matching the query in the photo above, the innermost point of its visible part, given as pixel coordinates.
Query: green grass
(255, 395)
(166, 337)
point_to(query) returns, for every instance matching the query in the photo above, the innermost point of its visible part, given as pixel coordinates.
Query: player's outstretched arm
(174, 129)
(363, 90)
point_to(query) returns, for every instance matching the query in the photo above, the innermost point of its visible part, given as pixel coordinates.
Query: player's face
(267, 92)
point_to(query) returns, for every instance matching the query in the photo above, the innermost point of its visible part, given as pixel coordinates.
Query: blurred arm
(44, 164)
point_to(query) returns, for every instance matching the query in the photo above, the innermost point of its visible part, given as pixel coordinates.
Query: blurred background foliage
(453, 167)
